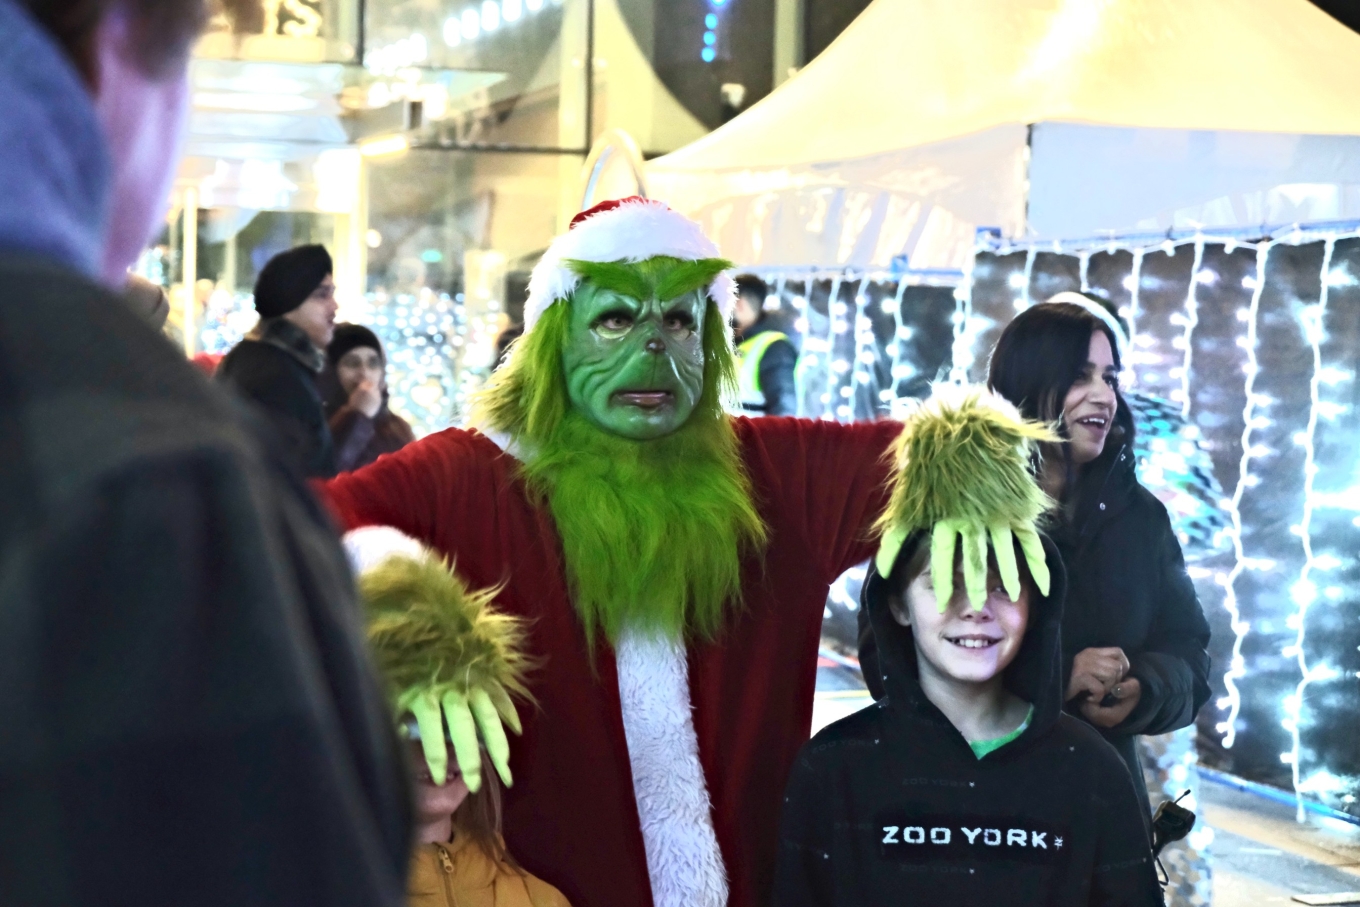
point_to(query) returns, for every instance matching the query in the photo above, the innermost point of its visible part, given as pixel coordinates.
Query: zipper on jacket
(449, 899)
(1104, 486)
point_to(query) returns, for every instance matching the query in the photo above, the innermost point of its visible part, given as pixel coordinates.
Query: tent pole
(788, 39)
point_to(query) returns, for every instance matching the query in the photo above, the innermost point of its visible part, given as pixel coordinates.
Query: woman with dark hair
(354, 385)
(1134, 635)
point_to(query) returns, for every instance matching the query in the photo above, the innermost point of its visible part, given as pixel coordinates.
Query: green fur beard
(653, 532)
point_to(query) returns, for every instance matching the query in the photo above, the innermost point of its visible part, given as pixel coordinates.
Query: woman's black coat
(1126, 587)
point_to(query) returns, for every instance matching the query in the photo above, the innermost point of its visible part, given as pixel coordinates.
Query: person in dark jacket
(354, 384)
(189, 714)
(766, 357)
(1135, 638)
(966, 783)
(276, 367)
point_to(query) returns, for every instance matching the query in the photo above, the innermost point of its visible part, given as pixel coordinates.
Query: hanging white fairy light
(1190, 319)
(1304, 592)
(1232, 702)
(835, 310)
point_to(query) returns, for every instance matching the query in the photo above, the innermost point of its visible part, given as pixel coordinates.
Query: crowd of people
(577, 664)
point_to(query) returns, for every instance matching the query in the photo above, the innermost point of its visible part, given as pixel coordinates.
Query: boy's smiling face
(961, 644)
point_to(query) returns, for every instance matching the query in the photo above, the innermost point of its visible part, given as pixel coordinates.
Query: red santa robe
(572, 817)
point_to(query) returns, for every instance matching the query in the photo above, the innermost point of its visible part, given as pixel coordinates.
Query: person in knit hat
(354, 387)
(673, 559)
(277, 365)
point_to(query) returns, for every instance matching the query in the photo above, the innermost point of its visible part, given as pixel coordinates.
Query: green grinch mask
(634, 354)
(634, 367)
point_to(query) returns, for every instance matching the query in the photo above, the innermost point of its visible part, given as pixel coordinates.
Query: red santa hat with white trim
(626, 229)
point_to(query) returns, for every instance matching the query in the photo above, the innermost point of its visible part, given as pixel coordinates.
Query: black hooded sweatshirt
(890, 805)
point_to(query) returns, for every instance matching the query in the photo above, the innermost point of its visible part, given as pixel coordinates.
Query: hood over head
(55, 172)
(1036, 674)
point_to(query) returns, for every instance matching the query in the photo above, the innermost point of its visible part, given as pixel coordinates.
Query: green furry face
(634, 366)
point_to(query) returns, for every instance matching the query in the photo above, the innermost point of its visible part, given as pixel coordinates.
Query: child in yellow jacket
(451, 662)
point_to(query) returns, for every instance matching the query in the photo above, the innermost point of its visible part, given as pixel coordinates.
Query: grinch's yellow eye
(613, 323)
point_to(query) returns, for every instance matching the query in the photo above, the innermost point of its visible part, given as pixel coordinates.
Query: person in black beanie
(277, 365)
(354, 387)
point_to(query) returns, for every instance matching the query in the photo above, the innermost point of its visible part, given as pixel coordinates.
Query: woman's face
(435, 801)
(960, 643)
(363, 363)
(1089, 407)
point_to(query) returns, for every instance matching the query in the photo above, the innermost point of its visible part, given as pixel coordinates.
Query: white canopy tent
(1046, 119)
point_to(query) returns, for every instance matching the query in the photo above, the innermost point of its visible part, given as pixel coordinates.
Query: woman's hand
(1096, 671)
(366, 398)
(1127, 693)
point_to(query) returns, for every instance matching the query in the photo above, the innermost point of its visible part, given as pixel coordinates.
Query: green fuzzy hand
(973, 536)
(487, 709)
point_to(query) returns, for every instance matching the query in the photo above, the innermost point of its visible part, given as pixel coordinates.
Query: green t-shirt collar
(983, 747)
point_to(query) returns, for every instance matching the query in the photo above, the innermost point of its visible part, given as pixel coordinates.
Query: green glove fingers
(463, 733)
(1033, 547)
(888, 549)
(975, 564)
(493, 732)
(425, 707)
(942, 562)
(506, 708)
(973, 538)
(1004, 547)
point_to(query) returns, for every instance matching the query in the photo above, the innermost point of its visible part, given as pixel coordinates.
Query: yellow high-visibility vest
(749, 355)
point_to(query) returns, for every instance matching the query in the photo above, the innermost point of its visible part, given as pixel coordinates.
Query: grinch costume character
(673, 562)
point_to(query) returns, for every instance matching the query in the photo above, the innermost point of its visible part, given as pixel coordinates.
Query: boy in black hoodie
(966, 784)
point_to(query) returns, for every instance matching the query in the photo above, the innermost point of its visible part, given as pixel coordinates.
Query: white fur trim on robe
(683, 859)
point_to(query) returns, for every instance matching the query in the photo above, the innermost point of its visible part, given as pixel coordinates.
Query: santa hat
(627, 229)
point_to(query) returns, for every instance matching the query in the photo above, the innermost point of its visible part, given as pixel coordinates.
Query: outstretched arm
(407, 490)
(826, 481)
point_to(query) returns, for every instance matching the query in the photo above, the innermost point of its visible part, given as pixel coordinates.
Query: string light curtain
(1242, 376)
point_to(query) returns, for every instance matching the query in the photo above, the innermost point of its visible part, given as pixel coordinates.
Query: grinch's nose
(655, 345)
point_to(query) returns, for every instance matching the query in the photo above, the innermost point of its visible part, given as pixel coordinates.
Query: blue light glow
(711, 20)
(710, 39)
(709, 54)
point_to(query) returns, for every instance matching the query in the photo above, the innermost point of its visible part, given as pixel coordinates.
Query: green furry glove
(489, 711)
(963, 473)
(447, 656)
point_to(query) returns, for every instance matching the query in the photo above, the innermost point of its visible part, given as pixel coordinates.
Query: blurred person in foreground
(766, 357)
(277, 365)
(189, 713)
(354, 384)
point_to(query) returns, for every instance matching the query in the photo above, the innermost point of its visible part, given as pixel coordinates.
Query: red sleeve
(825, 481)
(407, 489)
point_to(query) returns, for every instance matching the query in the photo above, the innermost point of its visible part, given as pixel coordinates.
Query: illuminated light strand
(860, 370)
(1031, 254)
(1304, 592)
(1135, 286)
(1191, 322)
(1084, 269)
(1236, 663)
(833, 304)
(901, 369)
(962, 353)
